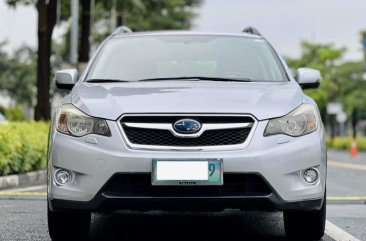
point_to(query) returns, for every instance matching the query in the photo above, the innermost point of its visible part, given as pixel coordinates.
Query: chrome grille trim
(207, 126)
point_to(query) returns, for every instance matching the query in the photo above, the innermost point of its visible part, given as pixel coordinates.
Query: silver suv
(187, 121)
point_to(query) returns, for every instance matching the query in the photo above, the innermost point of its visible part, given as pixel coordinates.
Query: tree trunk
(120, 19)
(354, 123)
(120, 7)
(332, 126)
(47, 11)
(84, 46)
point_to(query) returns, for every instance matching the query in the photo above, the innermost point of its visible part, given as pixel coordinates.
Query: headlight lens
(72, 121)
(301, 121)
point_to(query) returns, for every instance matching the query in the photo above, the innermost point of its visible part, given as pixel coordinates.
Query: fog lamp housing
(63, 177)
(311, 175)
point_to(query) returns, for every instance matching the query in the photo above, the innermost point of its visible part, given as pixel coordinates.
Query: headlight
(301, 121)
(72, 121)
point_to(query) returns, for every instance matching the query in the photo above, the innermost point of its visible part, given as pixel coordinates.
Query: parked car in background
(187, 121)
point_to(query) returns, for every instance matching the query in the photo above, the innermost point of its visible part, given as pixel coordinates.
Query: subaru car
(181, 120)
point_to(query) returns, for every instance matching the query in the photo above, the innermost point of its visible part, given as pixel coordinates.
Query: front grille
(209, 138)
(139, 185)
(174, 118)
(166, 138)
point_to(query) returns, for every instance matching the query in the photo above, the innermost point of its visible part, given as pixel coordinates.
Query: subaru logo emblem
(187, 126)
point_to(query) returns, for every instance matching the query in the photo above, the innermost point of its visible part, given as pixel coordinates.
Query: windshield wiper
(172, 78)
(200, 78)
(105, 80)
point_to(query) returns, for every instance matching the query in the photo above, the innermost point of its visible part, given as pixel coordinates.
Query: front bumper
(105, 204)
(279, 160)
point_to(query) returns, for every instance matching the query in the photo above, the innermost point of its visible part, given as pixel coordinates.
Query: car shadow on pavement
(228, 225)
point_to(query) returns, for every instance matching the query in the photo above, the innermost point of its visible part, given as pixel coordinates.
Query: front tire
(305, 225)
(68, 225)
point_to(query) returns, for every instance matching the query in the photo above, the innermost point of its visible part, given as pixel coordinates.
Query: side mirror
(308, 78)
(66, 79)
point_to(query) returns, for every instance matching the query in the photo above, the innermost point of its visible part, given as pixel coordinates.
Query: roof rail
(251, 30)
(122, 29)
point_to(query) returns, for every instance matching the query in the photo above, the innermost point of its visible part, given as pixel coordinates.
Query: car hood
(262, 100)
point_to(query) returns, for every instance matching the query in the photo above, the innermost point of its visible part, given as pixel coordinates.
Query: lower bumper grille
(139, 185)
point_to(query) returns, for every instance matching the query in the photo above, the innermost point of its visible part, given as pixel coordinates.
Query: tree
(152, 15)
(350, 76)
(322, 57)
(47, 13)
(18, 75)
(140, 15)
(342, 82)
(84, 46)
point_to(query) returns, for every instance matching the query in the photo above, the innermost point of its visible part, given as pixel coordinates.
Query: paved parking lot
(24, 218)
(23, 215)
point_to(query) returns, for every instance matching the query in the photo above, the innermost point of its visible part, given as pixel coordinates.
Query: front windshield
(136, 58)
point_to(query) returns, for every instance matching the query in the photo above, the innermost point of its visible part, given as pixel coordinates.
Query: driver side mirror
(66, 79)
(308, 78)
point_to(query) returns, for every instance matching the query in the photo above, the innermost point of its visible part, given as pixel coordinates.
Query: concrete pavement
(23, 214)
(25, 218)
(346, 187)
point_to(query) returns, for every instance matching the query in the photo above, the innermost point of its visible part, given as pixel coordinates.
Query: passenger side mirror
(66, 79)
(308, 78)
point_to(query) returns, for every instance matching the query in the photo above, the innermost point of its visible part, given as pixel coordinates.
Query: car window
(165, 56)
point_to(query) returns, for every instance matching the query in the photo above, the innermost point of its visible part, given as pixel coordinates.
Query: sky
(18, 26)
(284, 23)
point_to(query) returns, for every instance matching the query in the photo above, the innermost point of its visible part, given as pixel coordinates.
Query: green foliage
(151, 15)
(23, 147)
(2, 110)
(14, 114)
(341, 83)
(161, 14)
(352, 86)
(18, 74)
(322, 57)
(361, 143)
(14, 3)
(139, 15)
(344, 143)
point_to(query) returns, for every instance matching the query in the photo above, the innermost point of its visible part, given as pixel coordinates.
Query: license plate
(187, 172)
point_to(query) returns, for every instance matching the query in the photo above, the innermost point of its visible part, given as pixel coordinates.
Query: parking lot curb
(26, 179)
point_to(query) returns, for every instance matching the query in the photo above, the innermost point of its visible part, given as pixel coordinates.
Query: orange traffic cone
(354, 150)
